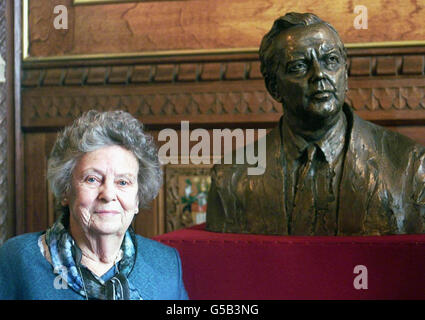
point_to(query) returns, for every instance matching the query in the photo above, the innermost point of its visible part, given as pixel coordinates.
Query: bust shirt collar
(331, 144)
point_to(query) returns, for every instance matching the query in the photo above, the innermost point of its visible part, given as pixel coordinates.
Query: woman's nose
(108, 192)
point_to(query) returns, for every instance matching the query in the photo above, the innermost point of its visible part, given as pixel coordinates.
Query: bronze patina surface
(328, 172)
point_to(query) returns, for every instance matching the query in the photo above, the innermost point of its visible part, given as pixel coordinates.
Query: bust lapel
(359, 178)
(264, 193)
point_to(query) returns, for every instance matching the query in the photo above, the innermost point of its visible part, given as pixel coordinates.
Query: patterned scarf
(66, 255)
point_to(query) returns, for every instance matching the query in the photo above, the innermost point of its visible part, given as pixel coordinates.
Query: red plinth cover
(238, 266)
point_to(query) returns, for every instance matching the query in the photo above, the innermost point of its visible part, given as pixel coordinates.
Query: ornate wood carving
(154, 104)
(237, 101)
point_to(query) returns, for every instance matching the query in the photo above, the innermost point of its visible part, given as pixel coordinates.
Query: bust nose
(317, 71)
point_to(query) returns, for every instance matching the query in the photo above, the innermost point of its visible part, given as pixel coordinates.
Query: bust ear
(271, 86)
(346, 76)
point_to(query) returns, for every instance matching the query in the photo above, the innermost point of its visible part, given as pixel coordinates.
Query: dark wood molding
(219, 67)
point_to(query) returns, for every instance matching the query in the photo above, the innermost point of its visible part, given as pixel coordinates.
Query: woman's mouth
(107, 212)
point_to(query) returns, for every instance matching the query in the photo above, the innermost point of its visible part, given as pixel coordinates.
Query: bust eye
(332, 59)
(297, 67)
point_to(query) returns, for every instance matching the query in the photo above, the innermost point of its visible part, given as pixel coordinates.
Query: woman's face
(103, 195)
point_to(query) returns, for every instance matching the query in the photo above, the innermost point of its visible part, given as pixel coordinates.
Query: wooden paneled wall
(152, 26)
(211, 89)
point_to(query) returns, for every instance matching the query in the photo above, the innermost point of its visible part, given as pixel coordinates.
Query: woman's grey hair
(269, 61)
(94, 130)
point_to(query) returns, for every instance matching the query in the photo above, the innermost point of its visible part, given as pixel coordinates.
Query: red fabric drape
(237, 266)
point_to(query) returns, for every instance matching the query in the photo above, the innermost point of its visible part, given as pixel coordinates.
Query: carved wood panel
(236, 102)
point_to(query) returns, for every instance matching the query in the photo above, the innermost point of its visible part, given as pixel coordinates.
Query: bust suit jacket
(382, 188)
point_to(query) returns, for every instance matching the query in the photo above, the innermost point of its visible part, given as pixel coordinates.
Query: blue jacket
(26, 274)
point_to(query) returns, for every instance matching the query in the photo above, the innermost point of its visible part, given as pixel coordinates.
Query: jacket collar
(331, 144)
(359, 177)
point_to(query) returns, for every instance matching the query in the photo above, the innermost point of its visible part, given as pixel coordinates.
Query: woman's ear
(65, 201)
(136, 211)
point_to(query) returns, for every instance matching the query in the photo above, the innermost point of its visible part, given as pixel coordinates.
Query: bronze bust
(328, 172)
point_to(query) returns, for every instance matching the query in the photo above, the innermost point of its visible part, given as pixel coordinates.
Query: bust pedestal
(238, 266)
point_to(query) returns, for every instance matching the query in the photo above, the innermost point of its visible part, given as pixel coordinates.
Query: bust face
(311, 77)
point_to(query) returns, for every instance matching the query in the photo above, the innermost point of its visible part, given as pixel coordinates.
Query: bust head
(303, 62)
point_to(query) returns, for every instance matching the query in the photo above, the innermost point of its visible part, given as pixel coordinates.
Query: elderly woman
(102, 169)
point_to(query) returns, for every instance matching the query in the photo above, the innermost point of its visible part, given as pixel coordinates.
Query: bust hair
(267, 53)
(95, 130)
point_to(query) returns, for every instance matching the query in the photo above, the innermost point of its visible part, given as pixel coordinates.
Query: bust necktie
(303, 212)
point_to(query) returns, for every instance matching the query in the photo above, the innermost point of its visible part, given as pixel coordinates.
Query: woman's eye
(122, 183)
(91, 179)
